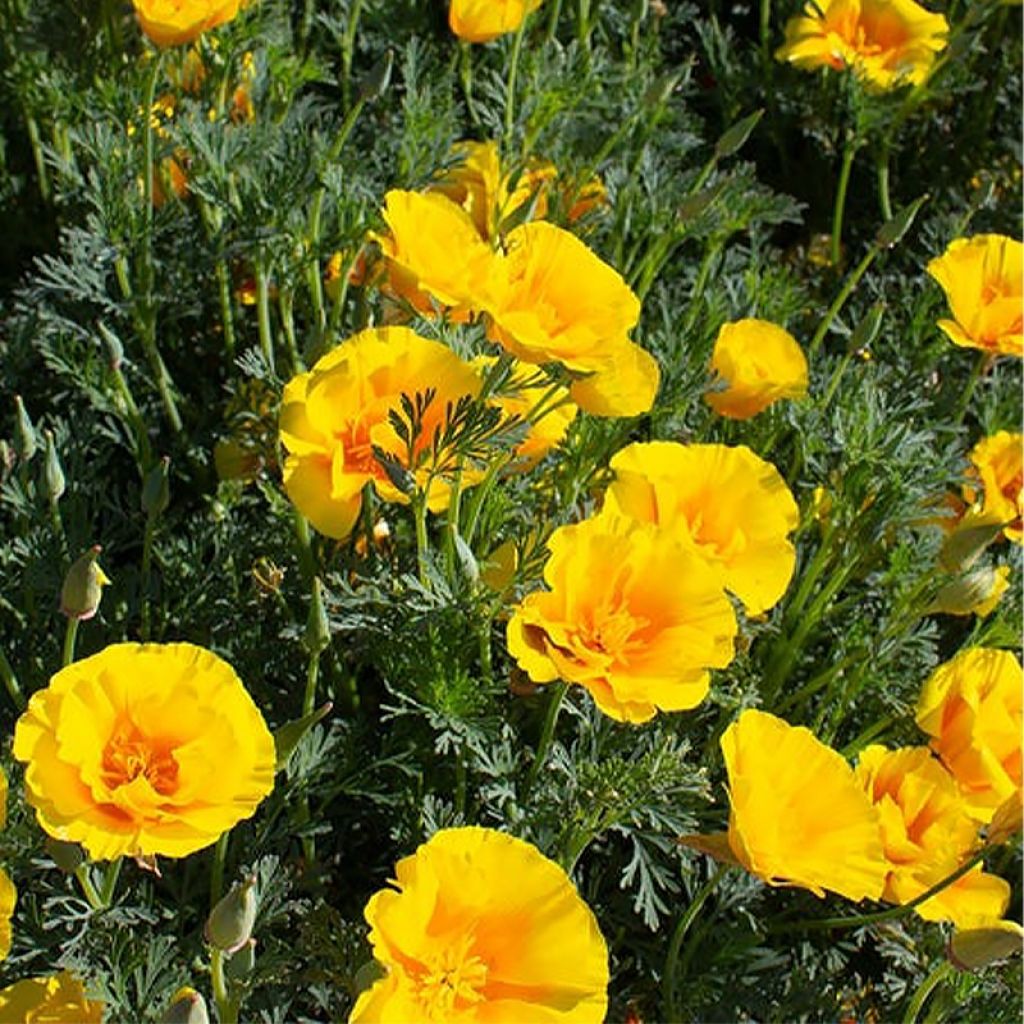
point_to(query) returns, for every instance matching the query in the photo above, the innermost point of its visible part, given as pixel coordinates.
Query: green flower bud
(971, 949)
(243, 963)
(53, 473)
(156, 491)
(67, 856)
(25, 443)
(186, 1007)
(318, 630)
(231, 921)
(83, 586)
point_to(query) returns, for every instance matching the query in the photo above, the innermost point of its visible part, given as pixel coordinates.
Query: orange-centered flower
(887, 43)
(144, 749)
(173, 22)
(336, 417)
(632, 615)
(480, 926)
(999, 464)
(728, 503)
(983, 278)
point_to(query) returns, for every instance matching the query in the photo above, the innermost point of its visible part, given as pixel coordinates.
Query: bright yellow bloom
(173, 22)
(481, 926)
(888, 43)
(798, 816)
(546, 430)
(759, 363)
(433, 251)
(999, 463)
(632, 615)
(144, 749)
(8, 899)
(558, 302)
(928, 833)
(732, 506)
(983, 278)
(971, 707)
(479, 21)
(333, 417)
(57, 999)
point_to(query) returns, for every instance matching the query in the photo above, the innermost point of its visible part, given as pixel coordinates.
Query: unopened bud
(156, 491)
(231, 921)
(970, 949)
(976, 592)
(25, 443)
(52, 471)
(187, 1006)
(112, 345)
(243, 962)
(69, 857)
(83, 586)
(318, 630)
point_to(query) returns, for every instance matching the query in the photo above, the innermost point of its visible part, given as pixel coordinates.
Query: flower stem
(110, 882)
(220, 856)
(845, 292)
(263, 313)
(70, 633)
(882, 167)
(11, 683)
(88, 889)
(839, 207)
(977, 372)
(510, 89)
(419, 512)
(466, 80)
(941, 972)
(147, 559)
(227, 1007)
(546, 734)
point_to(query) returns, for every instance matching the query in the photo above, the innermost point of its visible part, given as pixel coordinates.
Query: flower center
(452, 981)
(129, 754)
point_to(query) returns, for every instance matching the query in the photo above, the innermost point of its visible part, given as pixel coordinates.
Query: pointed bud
(25, 443)
(83, 586)
(971, 949)
(112, 345)
(318, 630)
(736, 136)
(893, 230)
(231, 921)
(242, 963)
(967, 541)
(52, 471)
(976, 592)
(69, 857)
(289, 735)
(156, 492)
(187, 1006)
(376, 83)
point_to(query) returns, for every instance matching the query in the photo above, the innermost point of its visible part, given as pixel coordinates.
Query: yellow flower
(999, 463)
(144, 749)
(8, 899)
(433, 250)
(982, 279)
(170, 172)
(173, 22)
(975, 592)
(631, 615)
(928, 833)
(544, 431)
(798, 816)
(57, 999)
(971, 707)
(760, 363)
(733, 507)
(479, 21)
(888, 43)
(333, 416)
(558, 302)
(481, 926)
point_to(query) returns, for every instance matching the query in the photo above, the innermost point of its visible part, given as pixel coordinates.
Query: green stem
(11, 683)
(884, 199)
(466, 80)
(220, 856)
(849, 284)
(938, 975)
(88, 889)
(70, 633)
(110, 882)
(285, 306)
(546, 734)
(312, 677)
(484, 643)
(510, 89)
(554, 11)
(347, 52)
(451, 527)
(839, 208)
(263, 313)
(143, 452)
(977, 372)
(669, 980)
(147, 559)
(227, 316)
(227, 1007)
(307, 563)
(700, 284)
(32, 127)
(419, 512)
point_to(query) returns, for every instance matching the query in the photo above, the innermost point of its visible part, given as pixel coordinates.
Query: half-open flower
(481, 926)
(998, 461)
(173, 22)
(479, 21)
(144, 749)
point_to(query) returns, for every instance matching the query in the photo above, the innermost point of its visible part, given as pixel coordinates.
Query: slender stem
(938, 975)
(510, 89)
(839, 208)
(307, 563)
(220, 856)
(347, 51)
(11, 683)
(110, 882)
(419, 512)
(554, 10)
(977, 372)
(227, 1007)
(147, 559)
(484, 643)
(143, 452)
(70, 633)
(285, 306)
(583, 28)
(451, 526)
(88, 889)
(466, 80)
(669, 979)
(32, 127)
(546, 734)
(882, 167)
(210, 220)
(849, 284)
(764, 25)
(312, 677)
(263, 312)
(697, 295)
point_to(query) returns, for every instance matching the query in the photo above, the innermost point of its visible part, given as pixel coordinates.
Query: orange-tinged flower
(999, 463)
(983, 278)
(971, 707)
(481, 926)
(333, 417)
(887, 43)
(173, 22)
(433, 251)
(759, 363)
(558, 302)
(144, 749)
(639, 638)
(479, 21)
(928, 833)
(57, 999)
(170, 174)
(731, 505)
(798, 816)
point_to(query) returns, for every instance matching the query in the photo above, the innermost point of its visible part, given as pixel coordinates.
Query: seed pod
(25, 443)
(231, 921)
(156, 493)
(53, 473)
(83, 586)
(186, 1007)
(67, 856)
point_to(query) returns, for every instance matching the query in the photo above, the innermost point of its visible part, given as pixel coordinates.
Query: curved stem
(510, 90)
(263, 313)
(839, 207)
(884, 199)
(840, 300)
(88, 889)
(11, 683)
(220, 856)
(70, 633)
(938, 975)
(546, 734)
